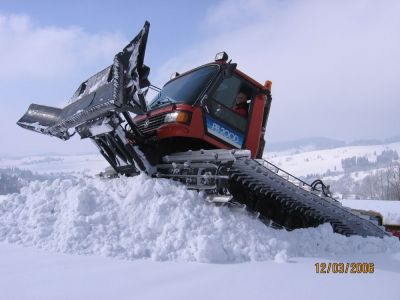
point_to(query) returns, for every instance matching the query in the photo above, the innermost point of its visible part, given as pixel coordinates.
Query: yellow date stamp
(344, 268)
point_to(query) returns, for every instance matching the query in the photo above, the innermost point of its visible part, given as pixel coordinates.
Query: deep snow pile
(141, 217)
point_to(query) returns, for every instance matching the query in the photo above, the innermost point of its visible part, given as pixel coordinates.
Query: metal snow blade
(99, 99)
(39, 118)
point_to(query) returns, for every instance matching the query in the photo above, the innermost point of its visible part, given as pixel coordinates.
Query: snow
(319, 161)
(89, 164)
(101, 128)
(35, 126)
(146, 218)
(91, 85)
(83, 237)
(29, 273)
(390, 210)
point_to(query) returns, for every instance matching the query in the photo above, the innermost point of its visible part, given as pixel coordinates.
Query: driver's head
(241, 98)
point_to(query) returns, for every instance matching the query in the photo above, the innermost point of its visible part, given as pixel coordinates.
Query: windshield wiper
(162, 102)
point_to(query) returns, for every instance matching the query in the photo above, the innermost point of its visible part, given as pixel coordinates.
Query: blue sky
(335, 65)
(174, 24)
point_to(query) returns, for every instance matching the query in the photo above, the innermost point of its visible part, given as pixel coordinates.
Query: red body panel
(255, 125)
(393, 229)
(194, 130)
(248, 78)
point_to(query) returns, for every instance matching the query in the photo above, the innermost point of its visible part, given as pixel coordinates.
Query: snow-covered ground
(142, 217)
(370, 172)
(76, 164)
(319, 161)
(29, 273)
(83, 237)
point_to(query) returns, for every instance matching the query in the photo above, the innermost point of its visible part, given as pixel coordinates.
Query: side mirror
(203, 99)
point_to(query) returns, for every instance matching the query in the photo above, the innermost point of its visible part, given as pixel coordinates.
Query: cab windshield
(185, 89)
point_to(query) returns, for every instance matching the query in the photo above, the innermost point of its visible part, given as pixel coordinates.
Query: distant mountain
(369, 142)
(306, 144)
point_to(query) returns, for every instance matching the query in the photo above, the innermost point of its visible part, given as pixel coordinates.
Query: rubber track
(260, 188)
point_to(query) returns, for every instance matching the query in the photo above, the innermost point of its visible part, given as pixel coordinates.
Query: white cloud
(231, 15)
(335, 64)
(28, 50)
(44, 65)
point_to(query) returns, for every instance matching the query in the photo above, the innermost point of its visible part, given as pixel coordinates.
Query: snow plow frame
(100, 105)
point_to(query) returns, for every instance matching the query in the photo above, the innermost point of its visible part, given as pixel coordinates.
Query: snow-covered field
(29, 273)
(76, 164)
(319, 161)
(82, 237)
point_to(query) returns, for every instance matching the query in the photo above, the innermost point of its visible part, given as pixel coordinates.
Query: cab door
(221, 120)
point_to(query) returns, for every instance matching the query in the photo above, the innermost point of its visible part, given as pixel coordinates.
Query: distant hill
(321, 143)
(306, 144)
(359, 170)
(369, 142)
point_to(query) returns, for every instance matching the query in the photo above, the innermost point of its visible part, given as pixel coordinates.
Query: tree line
(382, 184)
(358, 163)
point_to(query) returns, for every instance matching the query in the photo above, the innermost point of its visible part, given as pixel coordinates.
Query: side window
(224, 102)
(227, 91)
(227, 110)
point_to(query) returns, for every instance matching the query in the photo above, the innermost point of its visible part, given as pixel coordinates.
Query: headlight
(177, 117)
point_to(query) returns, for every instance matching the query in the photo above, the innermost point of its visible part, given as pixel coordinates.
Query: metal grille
(149, 125)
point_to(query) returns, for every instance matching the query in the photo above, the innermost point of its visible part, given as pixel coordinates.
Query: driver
(241, 106)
